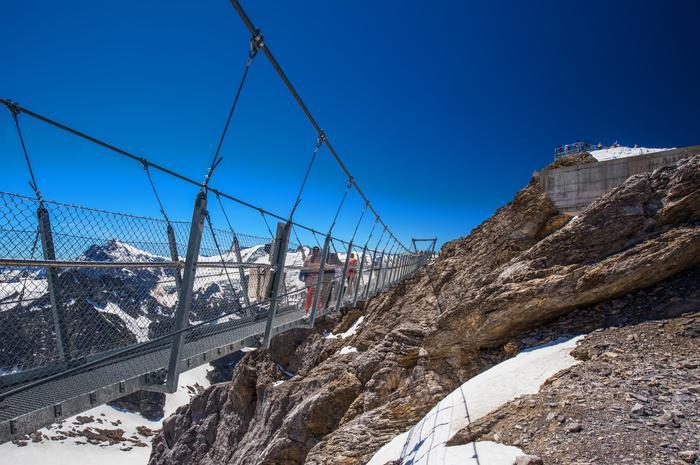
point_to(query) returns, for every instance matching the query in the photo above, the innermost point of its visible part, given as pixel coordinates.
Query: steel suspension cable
(262, 213)
(223, 262)
(223, 210)
(364, 209)
(376, 220)
(303, 252)
(275, 64)
(376, 247)
(216, 159)
(319, 141)
(316, 239)
(15, 111)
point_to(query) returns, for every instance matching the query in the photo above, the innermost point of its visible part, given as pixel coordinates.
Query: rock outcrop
(526, 268)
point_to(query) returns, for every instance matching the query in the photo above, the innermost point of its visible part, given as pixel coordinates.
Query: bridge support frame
(397, 267)
(377, 286)
(49, 251)
(241, 272)
(372, 260)
(278, 255)
(359, 276)
(172, 247)
(184, 301)
(319, 280)
(343, 279)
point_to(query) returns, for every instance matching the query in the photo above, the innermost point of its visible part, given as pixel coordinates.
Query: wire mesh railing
(90, 299)
(111, 282)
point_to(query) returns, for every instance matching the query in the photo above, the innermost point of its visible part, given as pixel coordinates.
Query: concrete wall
(574, 187)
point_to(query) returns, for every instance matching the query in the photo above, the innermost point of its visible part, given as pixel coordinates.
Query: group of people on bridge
(333, 268)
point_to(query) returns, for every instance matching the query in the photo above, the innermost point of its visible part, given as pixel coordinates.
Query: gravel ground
(634, 398)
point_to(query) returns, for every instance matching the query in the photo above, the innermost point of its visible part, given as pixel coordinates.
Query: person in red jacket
(352, 272)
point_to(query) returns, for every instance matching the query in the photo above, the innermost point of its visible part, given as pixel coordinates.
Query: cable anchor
(256, 43)
(14, 108)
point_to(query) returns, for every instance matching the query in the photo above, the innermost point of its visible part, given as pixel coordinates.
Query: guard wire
(155, 192)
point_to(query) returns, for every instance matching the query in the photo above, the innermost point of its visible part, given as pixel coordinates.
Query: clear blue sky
(442, 110)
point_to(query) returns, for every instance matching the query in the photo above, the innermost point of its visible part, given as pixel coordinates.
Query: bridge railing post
(377, 285)
(184, 301)
(373, 258)
(343, 279)
(319, 282)
(359, 276)
(172, 248)
(278, 255)
(241, 272)
(391, 261)
(49, 251)
(396, 276)
(411, 265)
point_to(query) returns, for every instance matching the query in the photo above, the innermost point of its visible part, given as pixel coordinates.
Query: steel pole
(379, 273)
(172, 247)
(341, 289)
(57, 314)
(365, 294)
(359, 276)
(241, 272)
(319, 280)
(184, 302)
(277, 260)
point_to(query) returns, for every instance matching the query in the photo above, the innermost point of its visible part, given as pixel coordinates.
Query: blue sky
(442, 110)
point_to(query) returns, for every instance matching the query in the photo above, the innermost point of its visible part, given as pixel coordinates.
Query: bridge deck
(54, 400)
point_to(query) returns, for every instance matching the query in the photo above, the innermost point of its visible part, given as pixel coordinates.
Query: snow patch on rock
(347, 350)
(350, 332)
(425, 443)
(78, 451)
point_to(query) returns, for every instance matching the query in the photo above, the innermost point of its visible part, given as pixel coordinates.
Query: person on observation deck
(352, 271)
(310, 271)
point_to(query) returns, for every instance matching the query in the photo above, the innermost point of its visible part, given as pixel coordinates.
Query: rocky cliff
(317, 397)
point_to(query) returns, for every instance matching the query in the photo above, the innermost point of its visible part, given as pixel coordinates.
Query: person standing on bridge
(352, 271)
(310, 270)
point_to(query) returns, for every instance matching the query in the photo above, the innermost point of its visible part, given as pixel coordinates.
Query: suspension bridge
(95, 305)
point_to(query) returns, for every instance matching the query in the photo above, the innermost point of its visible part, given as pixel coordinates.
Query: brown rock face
(524, 268)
